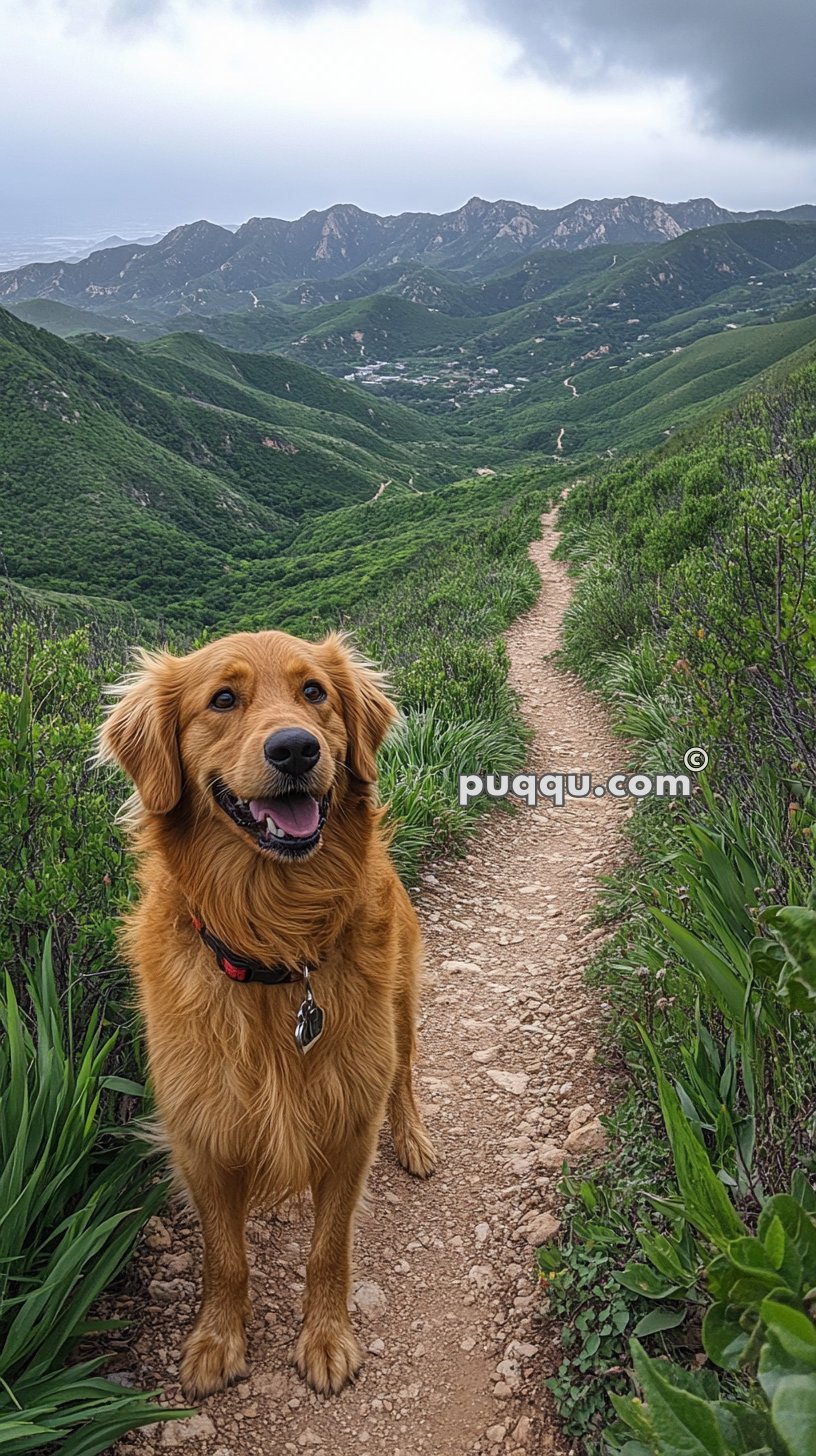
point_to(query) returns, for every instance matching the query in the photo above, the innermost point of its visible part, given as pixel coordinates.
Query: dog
(276, 957)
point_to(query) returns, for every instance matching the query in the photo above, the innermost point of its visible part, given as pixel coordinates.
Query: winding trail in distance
(445, 1299)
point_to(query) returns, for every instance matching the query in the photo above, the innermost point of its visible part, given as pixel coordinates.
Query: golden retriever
(262, 857)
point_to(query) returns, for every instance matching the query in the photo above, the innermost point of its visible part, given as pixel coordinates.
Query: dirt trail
(445, 1299)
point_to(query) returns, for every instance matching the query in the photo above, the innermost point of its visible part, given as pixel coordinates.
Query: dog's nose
(292, 750)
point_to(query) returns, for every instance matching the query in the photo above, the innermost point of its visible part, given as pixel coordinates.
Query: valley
(493, 355)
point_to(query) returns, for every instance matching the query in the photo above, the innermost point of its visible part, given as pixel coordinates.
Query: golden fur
(250, 1119)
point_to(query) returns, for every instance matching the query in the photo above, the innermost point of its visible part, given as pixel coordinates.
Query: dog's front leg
(215, 1351)
(328, 1353)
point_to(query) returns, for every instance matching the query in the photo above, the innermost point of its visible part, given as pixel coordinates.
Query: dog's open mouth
(290, 826)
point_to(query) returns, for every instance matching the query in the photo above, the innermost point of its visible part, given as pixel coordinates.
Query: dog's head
(261, 731)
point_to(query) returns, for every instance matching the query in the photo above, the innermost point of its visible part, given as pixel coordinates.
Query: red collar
(238, 968)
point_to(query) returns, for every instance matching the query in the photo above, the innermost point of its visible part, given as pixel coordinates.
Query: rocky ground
(445, 1294)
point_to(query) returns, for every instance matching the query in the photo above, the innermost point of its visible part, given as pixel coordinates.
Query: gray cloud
(133, 14)
(749, 63)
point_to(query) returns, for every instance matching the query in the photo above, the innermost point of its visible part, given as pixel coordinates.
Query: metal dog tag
(310, 1018)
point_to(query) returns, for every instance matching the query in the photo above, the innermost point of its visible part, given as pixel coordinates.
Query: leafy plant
(74, 1195)
(759, 1324)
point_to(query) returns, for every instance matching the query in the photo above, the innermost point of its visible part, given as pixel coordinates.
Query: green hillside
(633, 405)
(488, 356)
(65, 320)
(380, 326)
(143, 473)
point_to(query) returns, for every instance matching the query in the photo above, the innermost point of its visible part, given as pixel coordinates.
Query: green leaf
(724, 1339)
(124, 1085)
(774, 1240)
(716, 972)
(749, 1255)
(794, 1330)
(803, 1191)
(793, 1411)
(774, 1364)
(707, 1204)
(746, 1432)
(665, 1254)
(683, 1424)
(633, 1414)
(800, 1229)
(642, 1279)
(659, 1319)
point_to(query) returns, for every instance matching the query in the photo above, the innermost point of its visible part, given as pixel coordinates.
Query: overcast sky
(134, 115)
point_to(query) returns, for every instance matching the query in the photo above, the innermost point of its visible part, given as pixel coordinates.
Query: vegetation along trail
(445, 1297)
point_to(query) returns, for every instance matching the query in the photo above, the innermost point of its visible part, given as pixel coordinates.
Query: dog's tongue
(296, 814)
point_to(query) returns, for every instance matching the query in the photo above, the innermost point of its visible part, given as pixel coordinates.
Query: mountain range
(200, 260)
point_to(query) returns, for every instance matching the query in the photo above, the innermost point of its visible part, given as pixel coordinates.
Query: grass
(693, 616)
(74, 1194)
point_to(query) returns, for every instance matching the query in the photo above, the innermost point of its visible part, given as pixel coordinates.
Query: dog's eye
(314, 693)
(223, 700)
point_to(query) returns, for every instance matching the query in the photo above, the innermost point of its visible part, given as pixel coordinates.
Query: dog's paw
(415, 1150)
(212, 1360)
(328, 1355)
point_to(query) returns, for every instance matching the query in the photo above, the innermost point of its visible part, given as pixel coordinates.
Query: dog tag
(310, 1019)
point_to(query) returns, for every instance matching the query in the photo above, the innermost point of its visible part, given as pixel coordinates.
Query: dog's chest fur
(232, 1083)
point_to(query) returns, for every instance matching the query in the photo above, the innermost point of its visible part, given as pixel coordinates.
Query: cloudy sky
(133, 115)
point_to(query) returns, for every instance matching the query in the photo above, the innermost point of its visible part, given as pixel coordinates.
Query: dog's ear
(141, 731)
(368, 712)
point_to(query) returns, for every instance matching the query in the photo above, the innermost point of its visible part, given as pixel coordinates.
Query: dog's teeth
(272, 828)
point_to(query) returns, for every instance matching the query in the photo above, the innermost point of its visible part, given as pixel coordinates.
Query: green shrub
(757, 1325)
(694, 615)
(74, 1195)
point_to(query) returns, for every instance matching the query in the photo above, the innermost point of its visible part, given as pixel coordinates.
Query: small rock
(170, 1290)
(308, 1437)
(270, 1382)
(509, 1371)
(514, 1082)
(580, 1116)
(588, 1139)
(178, 1264)
(196, 1428)
(480, 1275)
(521, 1350)
(542, 1228)
(368, 1298)
(156, 1235)
(377, 1347)
(551, 1156)
(460, 968)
